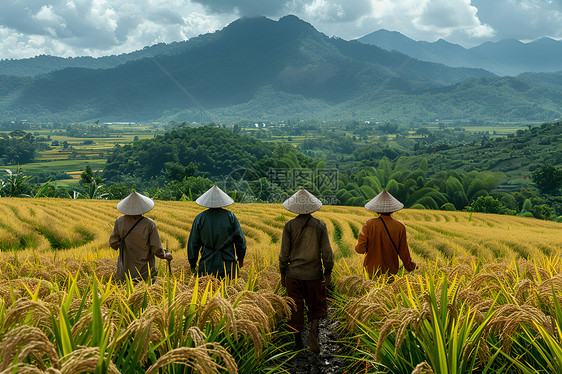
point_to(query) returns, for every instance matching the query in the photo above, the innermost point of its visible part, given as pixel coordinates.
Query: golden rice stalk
(354, 285)
(181, 303)
(55, 299)
(376, 304)
(249, 329)
(45, 287)
(545, 288)
(27, 343)
(143, 331)
(253, 298)
(483, 354)
(251, 312)
(522, 289)
(196, 335)
(532, 270)
(104, 272)
(28, 369)
(487, 282)
(214, 311)
(509, 317)
(39, 313)
(151, 293)
(84, 360)
(423, 368)
(86, 320)
(281, 305)
(495, 267)
(77, 305)
(401, 321)
(460, 270)
(200, 359)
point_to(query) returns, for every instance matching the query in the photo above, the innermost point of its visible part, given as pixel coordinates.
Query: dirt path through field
(326, 362)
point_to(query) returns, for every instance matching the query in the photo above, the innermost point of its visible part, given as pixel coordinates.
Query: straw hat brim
(214, 198)
(135, 204)
(302, 202)
(384, 202)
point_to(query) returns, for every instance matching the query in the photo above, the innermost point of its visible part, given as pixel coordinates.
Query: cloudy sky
(104, 27)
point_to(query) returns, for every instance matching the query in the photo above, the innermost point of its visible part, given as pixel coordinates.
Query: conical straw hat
(214, 198)
(384, 203)
(302, 202)
(135, 204)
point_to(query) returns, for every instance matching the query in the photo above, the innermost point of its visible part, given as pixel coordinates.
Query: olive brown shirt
(141, 245)
(304, 255)
(381, 257)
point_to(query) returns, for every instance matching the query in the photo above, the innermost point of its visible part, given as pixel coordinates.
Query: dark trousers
(313, 292)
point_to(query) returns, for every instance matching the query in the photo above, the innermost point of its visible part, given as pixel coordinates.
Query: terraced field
(82, 227)
(485, 299)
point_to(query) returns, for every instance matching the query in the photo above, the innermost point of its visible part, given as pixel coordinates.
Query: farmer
(216, 235)
(305, 264)
(136, 238)
(383, 239)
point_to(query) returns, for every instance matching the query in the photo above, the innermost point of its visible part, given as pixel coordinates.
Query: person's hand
(240, 263)
(327, 279)
(168, 256)
(283, 281)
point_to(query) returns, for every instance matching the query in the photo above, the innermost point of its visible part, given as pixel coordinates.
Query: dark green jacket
(215, 234)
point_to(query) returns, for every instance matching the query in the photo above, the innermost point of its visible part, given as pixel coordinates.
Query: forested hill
(44, 64)
(504, 57)
(201, 151)
(191, 159)
(517, 154)
(287, 61)
(276, 70)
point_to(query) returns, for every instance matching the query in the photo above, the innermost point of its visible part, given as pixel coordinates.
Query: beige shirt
(308, 257)
(141, 245)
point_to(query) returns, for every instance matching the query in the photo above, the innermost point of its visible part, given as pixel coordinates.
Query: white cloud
(100, 27)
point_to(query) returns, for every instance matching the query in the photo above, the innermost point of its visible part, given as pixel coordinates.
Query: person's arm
(284, 253)
(194, 244)
(156, 244)
(404, 251)
(114, 238)
(239, 241)
(363, 240)
(327, 254)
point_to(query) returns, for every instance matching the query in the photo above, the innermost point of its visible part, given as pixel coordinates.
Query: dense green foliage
(548, 179)
(343, 163)
(17, 147)
(185, 152)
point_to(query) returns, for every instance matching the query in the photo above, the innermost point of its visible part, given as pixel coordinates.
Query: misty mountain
(229, 67)
(44, 64)
(505, 57)
(257, 68)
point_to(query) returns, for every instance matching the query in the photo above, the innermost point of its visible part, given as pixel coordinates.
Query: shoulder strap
(388, 232)
(301, 232)
(131, 229)
(122, 244)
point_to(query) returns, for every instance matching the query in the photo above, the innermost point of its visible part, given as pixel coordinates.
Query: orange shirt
(381, 257)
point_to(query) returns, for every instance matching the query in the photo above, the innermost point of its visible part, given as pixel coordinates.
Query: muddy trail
(327, 362)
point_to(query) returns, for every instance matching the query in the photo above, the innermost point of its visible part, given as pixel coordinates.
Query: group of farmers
(217, 246)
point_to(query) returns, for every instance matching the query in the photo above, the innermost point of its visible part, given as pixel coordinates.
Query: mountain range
(257, 69)
(504, 57)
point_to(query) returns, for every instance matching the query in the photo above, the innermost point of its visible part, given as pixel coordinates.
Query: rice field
(488, 288)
